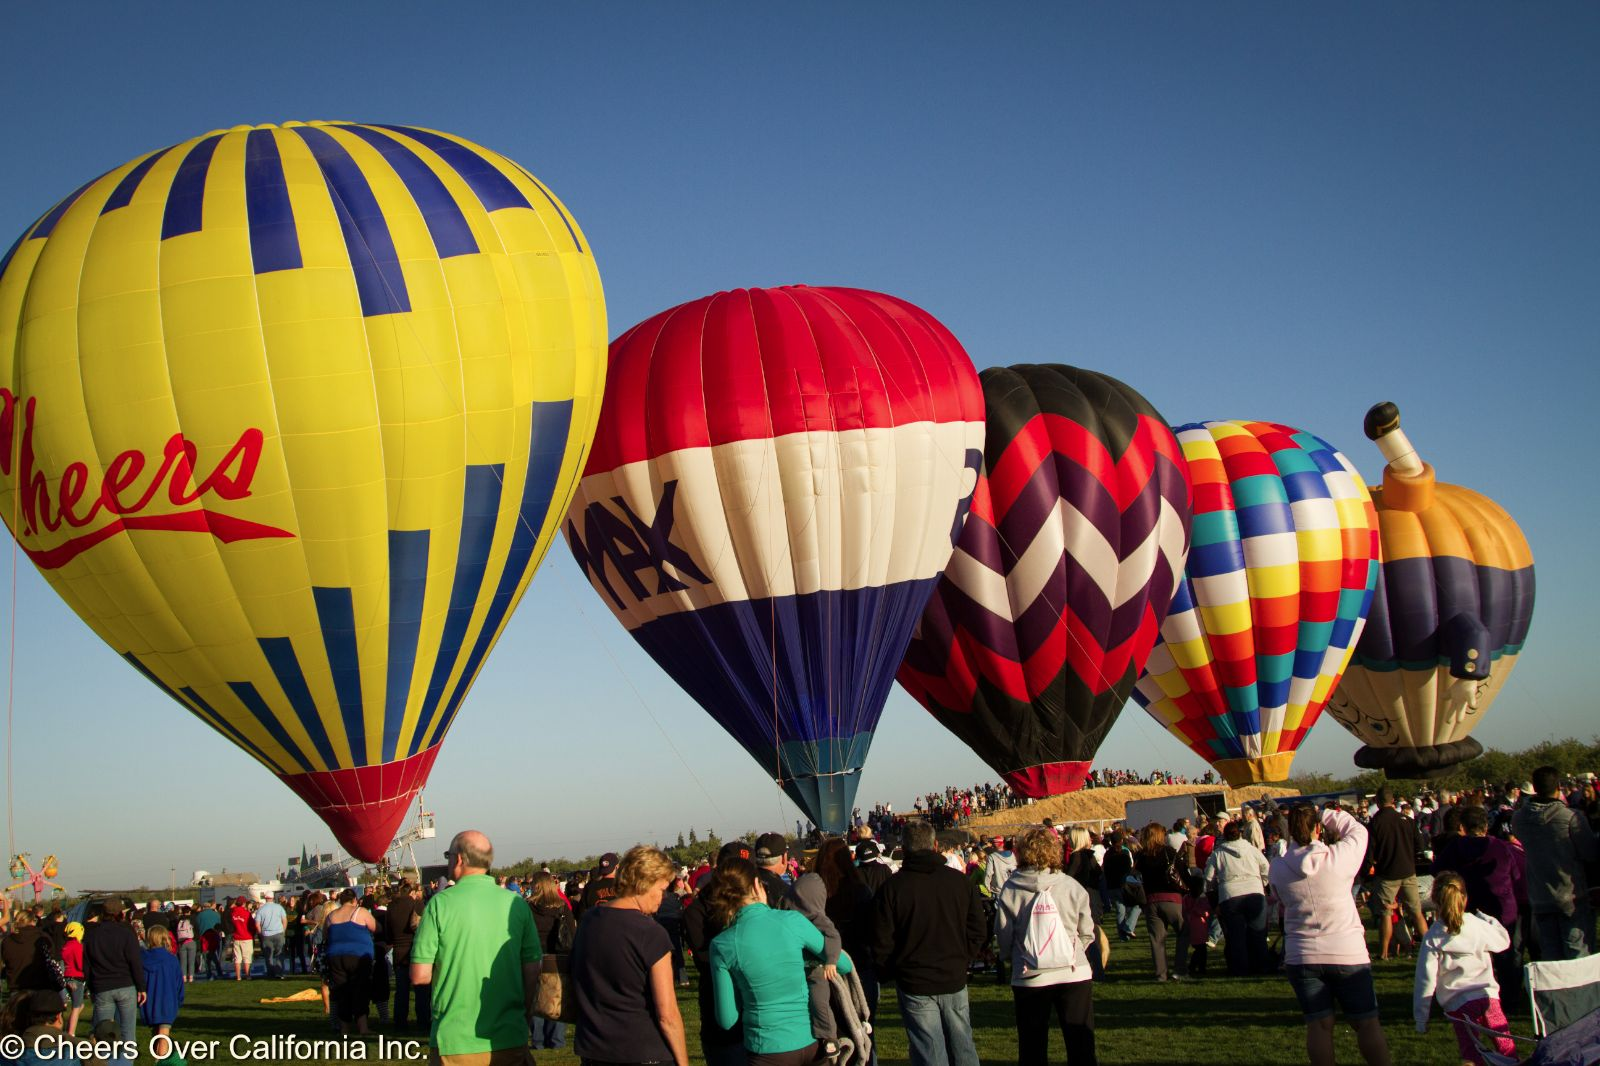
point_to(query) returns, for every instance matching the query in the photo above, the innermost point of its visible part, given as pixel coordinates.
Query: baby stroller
(1565, 996)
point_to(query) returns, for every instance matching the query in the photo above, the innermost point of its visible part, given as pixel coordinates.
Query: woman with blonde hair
(163, 983)
(627, 1002)
(1047, 976)
(1456, 965)
(1084, 868)
(553, 921)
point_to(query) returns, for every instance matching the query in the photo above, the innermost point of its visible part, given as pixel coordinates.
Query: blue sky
(1243, 210)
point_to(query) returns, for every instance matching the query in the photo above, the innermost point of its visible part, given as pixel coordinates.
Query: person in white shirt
(998, 869)
(1237, 870)
(1455, 965)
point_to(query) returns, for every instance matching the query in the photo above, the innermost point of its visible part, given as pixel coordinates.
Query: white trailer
(1168, 809)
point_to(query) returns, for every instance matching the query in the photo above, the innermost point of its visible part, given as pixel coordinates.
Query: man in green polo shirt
(478, 948)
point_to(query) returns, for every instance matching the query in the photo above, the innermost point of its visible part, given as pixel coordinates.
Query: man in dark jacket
(928, 925)
(1560, 847)
(1494, 874)
(113, 970)
(1392, 860)
(870, 867)
(400, 921)
(719, 1046)
(22, 956)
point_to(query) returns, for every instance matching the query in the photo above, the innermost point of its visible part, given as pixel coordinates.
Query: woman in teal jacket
(758, 968)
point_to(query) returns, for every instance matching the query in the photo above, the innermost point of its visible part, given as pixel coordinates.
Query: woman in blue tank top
(347, 945)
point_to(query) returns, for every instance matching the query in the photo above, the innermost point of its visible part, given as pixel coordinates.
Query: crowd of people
(955, 805)
(791, 955)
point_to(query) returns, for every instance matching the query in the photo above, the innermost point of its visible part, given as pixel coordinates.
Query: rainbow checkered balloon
(1281, 572)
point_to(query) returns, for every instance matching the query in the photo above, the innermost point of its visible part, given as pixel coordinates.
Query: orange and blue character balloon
(1451, 614)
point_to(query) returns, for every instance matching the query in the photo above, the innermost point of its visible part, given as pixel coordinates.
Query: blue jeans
(939, 1029)
(1244, 933)
(272, 953)
(1563, 937)
(1127, 919)
(547, 1034)
(121, 1005)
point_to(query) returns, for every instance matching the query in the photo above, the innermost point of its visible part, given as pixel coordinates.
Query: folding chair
(1562, 992)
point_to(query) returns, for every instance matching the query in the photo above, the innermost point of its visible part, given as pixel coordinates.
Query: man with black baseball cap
(771, 857)
(871, 869)
(601, 887)
(42, 1036)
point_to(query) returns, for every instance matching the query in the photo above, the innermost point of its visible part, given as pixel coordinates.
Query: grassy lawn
(1252, 1022)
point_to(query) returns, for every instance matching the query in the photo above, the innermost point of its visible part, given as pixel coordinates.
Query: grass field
(1212, 1022)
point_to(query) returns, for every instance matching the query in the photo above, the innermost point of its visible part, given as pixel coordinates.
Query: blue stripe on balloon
(1326, 458)
(547, 447)
(274, 243)
(380, 282)
(286, 667)
(191, 701)
(122, 195)
(1211, 560)
(337, 616)
(408, 587)
(47, 224)
(1265, 520)
(446, 224)
(836, 654)
(5, 261)
(572, 228)
(187, 198)
(252, 701)
(492, 188)
(1306, 485)
(221, 723)
(480, 511)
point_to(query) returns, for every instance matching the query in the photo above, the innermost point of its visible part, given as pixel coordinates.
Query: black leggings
(1073, 1004)
(350, 986)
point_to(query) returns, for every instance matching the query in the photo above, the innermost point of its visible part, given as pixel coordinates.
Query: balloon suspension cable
(11, 688)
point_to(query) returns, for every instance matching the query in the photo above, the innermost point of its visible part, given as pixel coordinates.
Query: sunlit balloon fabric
(1063, 572)
(1282, 565)
(295, 412)
(775, 484)
(1451, 614)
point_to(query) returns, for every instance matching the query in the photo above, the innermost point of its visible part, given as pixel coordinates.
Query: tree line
(1493, 768)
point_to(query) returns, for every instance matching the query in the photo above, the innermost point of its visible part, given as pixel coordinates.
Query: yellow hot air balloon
(290, 414)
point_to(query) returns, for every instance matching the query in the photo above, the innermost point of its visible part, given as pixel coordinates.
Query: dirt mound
(1093, 804)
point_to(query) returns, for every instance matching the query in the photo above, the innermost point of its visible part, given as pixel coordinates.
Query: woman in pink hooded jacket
(1325, 944)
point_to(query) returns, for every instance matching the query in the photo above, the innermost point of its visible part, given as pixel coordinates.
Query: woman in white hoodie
(1456, 965)
(1050, 970)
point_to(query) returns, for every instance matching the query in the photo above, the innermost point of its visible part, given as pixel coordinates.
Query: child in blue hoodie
(163, 982)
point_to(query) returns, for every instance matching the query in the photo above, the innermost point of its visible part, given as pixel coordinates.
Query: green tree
(692, 840)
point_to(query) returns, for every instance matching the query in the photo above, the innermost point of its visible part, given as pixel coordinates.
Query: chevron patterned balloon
(1061, 576)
